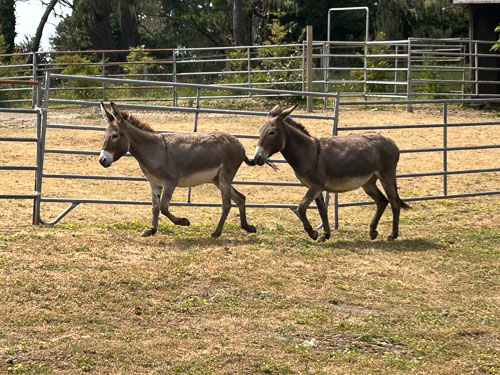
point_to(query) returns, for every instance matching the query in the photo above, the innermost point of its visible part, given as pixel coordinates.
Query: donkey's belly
(198, 177)
(340, 185)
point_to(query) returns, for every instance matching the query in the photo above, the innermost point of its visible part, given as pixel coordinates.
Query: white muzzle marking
(260, 154)
(105, 158)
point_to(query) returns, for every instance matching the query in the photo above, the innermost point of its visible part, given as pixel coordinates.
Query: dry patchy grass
(90, 295)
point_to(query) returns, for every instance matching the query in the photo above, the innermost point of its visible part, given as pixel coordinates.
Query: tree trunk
(39, 31)
(128, 24)
(98, 24)
(241, 31)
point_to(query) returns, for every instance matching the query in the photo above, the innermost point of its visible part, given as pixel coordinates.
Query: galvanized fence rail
(197, 110)
(401, 69)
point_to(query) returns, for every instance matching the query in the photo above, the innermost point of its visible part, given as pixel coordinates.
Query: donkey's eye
(272, 132)
(114, 137)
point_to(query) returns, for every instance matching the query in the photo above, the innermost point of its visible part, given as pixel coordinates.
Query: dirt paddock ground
(90, 295)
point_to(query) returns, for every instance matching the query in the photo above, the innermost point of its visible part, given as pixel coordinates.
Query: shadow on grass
(399, 246)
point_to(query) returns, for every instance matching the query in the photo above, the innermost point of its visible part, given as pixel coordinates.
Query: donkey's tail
(253, 163)
(249, 162)
(404, 205)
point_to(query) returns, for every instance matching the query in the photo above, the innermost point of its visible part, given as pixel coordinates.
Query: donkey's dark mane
(136, 122)
(297, 125)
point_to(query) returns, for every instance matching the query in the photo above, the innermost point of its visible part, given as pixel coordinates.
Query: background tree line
(121, 24)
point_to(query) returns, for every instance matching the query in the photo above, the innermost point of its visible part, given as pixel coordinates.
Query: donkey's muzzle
(105, 159)
(260, 156)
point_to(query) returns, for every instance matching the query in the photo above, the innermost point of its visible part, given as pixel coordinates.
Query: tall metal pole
(174, 77)
(34, 92)
(309, 33)
(103, 73)
(334, 133)
(195, 129)
(408, 78)
(41, 148)
(445, 149)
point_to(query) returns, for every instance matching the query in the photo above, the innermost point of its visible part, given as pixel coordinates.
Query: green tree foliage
(496, 46)
(196, 23)
(8, 23)
(400, 19)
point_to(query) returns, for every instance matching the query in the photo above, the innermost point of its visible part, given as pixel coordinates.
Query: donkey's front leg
(166, 196)
(323, 213)
(311, 195)
(155, 193)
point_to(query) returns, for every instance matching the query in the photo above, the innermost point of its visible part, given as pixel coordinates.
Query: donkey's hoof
(324, 237)
(184, 222)
(250, 229)
(391, 238)
(148, 232)
(373, 234)
(215, 234)
(313, 234)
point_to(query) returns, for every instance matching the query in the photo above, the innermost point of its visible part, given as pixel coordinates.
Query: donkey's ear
(287, 112)
(105, 114)
(275, 111)
(115, 111)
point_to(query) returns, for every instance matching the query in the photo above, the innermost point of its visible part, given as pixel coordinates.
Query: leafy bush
(78, 65)
(286, 68)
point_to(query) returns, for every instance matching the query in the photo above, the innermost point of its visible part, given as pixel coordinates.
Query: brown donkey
(334, 164)
(170, 160)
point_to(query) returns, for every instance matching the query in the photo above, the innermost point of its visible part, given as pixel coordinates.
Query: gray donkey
(170, 160)
(334, 164)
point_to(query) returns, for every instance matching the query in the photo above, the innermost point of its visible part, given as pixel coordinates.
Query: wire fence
(404, 69)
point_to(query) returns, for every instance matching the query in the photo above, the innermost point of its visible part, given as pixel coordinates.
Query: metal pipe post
(35, 88)
(445, 149)
(41, 149)
(334, 133)
(103, 73)
(408, 78)
(195, 129)
(249, 67)
(174, 77)
(309, 32)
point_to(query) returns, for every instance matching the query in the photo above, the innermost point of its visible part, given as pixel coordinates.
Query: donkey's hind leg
(225, 189)
(239, 199)
(323, 213)
(389, 184)
(372, 190)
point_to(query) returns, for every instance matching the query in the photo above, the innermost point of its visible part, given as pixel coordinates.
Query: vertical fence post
(476, 71)
(303, 67)
(39, 150)
(309, 33)
(396, 72)
(174, 76)
(34, 91)
(365, 73)
(103, 73)
(249, 67)
(41, 131)
(334, 133)
(324, 62)
(445, 149)
(195, 129)
(408, 78)
(463, 50)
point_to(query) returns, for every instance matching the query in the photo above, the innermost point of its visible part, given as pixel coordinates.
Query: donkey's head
(272, 134)
(116, 141)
